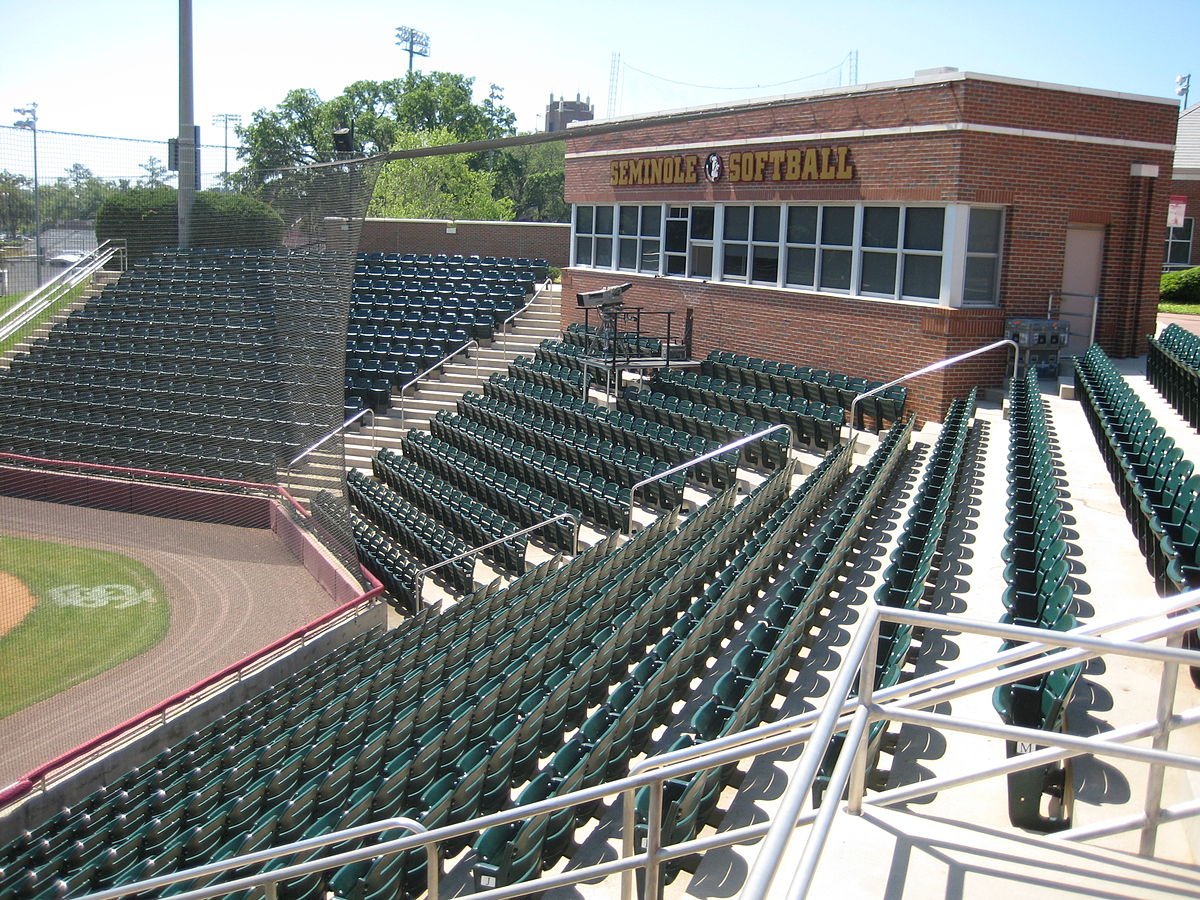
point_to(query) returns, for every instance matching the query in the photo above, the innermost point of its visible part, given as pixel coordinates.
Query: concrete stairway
(415, 406)
(100, 280)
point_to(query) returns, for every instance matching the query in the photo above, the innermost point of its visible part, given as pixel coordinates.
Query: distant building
(561, 113)
(1181, 252)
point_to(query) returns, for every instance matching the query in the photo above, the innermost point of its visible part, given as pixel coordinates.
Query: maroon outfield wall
(535, 240)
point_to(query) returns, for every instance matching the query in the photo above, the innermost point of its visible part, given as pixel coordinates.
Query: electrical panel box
(1040, 342)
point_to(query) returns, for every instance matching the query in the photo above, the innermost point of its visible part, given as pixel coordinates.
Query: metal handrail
(932, 367)
(836, 717)
(767, 863)
(711, 454)
(334, 433)
(419, 577)
(272, 853)
(53, 290)
(441, 362)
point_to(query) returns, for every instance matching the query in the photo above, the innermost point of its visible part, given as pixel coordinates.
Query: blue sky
(110, 68)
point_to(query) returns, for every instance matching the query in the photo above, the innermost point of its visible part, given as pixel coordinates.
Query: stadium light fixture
(1182, 84)
(30, 122)
(415, 43)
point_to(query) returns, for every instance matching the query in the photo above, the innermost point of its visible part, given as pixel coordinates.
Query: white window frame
(953, 253)
(1190, 224)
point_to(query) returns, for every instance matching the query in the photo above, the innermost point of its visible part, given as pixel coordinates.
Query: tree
(146, 218)
(299, 131)
(78, 195)
(532, 177)
(436, 187)
(157, 174)
(16, 203)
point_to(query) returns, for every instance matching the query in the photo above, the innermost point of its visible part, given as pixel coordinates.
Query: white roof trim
(937, 128)
(915, 81)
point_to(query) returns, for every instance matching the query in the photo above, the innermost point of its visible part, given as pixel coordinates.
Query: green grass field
(94, 609)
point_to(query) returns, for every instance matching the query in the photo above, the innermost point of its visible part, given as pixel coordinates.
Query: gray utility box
(1040, 341)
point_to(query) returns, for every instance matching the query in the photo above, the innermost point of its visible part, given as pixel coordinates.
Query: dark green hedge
(147, 219)
(1180, 287)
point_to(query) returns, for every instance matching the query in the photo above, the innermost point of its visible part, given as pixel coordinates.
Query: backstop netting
(169, 412)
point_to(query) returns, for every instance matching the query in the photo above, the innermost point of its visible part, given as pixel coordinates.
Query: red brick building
(875, 229)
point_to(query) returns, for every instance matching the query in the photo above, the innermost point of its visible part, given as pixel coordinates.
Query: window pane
(583, 251)
(649, 257)
(604, 252)
(881, 226)
(800, 265)
(651, 221)
(837, 226)
(604, 220)
(766, 264)
(676, 236)
(1179, 252)
(735, 259)
(802, 225)
(675, 265)
(923, 228)
(979, 286)
(835, 269)
(583, 219)
(702, 223)
(922, 276)
(629, 220)
(737, 223)
(627, 253)
(766, 223)
(879, 273)
(702, 257)
(983, 234)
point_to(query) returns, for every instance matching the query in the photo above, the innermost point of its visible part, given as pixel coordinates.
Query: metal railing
(841, 712)
(711, 454)
(312, 448)
(419, 577)
(932, 367)
(38, 301)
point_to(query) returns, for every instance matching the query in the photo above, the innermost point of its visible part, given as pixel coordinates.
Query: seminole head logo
(713, 167)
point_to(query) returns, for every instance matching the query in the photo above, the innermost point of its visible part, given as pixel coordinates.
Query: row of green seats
(814, 423)
(547, 375)
(1173, 367)
(831, 388)
(619, 465)
(618, 426)
(514, 498)
(598, 498)
(412, 529)
(473, 521)
(718, 426)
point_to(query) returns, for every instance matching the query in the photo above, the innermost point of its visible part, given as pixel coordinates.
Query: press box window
(837, 232)
(922, 258)
(736, 234)
(765, 245)
(985, 233)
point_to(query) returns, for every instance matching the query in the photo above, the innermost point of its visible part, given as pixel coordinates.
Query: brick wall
(535, 240)
(1002, 143)
(856, 337)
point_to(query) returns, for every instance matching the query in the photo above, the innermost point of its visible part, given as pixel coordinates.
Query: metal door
(1080, 294)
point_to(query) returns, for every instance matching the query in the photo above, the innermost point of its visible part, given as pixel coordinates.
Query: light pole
(225, 119)
(1183, 83)
(30, 122)
(416, 43)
